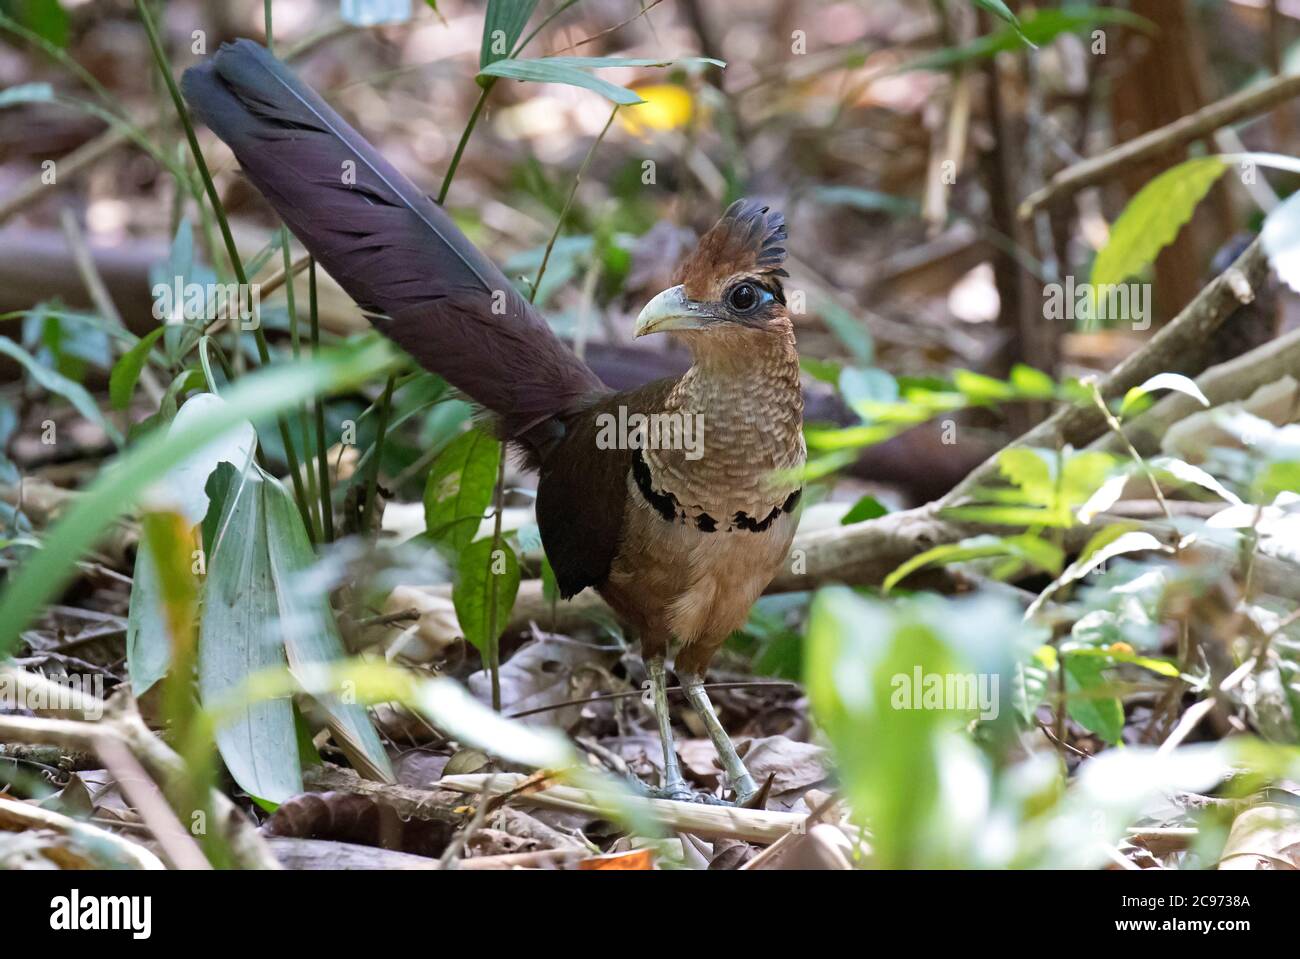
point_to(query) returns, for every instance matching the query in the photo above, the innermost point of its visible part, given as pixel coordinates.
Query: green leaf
(1029, 682)
(868, 507)
(1030, 549)
(1001, 10)
(1031, 471)
(310, 632)
(120, 487)
(70, 390)
(544, 71)
(238, 637)
(502, 27)
(1041, 28)
(1100, 714)
(121, 383)
(46, 18)
(849, 330)
(459, 488)
(148, 646)
(1163, 381)
(480, 566)
(1153, 218)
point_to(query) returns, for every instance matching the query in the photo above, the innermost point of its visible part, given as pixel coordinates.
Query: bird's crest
(746, 241)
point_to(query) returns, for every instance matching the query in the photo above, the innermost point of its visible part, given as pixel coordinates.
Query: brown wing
(582, 493)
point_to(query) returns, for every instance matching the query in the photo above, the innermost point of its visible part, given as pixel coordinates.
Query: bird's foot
(749, 795)
(677, 792)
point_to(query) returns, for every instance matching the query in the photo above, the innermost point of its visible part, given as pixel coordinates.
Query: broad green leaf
(1029, 683)
(479, 569)
(543, 71)
(122, 485)
(1084, 680)
(1032, 383)
(46, 18)
(148, 646)
(1106, 496)
(877, 674)
(868, 507)
(993, 515)
(1153, 218)
(60, 385)
(1032, 550)
(850, 331)
(1163, 381)
(1031, 471)
(239, 637)
(1188, 473)
(1127, 542)
(309, 630)
(502, 27)
(459, 488)
(860, 385)
(121, 383)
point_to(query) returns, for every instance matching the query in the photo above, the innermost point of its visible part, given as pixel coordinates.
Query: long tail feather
(387, 244)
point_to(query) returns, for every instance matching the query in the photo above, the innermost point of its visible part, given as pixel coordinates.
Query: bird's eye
(743, 297)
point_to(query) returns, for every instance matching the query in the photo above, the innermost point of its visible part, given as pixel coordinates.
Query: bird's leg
(674, 786)
(737, 775)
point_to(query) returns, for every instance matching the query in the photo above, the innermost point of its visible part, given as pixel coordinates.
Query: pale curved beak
(670, 310)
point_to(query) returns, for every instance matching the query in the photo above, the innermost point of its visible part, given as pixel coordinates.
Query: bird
(677, 501)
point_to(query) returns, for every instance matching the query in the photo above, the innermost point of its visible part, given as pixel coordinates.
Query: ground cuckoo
(680, 538)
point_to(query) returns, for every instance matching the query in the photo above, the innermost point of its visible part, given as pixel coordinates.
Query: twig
(14, 813)
(1194, 126)
(711, 822)
(1181, 337)
(99, 294)
(167, 768)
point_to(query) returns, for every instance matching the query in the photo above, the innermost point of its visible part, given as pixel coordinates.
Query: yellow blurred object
(667, 106)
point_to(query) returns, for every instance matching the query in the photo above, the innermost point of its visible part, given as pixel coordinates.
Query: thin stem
(493, 636)
(322, 455)
(564, 212)
(1118, 430)
(263, 351)
(464, 139)
(385, 407)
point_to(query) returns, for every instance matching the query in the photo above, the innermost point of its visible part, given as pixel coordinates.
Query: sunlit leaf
(479, 568)
(459, 488)
(1153, 218)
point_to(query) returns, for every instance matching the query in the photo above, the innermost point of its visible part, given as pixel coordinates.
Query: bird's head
(729, 289)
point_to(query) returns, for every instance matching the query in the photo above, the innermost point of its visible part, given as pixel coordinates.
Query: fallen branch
(108, 849)
(1182, 337)
(126, 726)
(1226, 383)
(1195, 126)
(709, 822)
